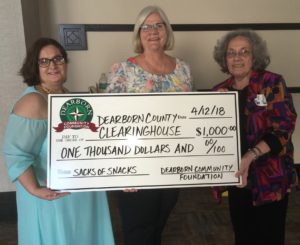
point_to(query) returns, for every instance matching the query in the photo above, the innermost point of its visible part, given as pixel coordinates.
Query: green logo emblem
(76, 114)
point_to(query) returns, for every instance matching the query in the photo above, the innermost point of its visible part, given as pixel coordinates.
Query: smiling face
(153, 39)
(239, 58)
(54, 75)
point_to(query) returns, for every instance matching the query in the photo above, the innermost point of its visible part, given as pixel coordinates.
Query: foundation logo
(76, 114)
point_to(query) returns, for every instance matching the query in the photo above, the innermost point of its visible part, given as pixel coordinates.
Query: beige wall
(42, 17)
(12, 50)
(194, 47)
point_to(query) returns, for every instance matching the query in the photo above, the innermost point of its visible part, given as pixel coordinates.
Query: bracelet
(258, 150)
(253, 152)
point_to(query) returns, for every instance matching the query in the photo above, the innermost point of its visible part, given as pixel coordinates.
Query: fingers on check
(55, 195)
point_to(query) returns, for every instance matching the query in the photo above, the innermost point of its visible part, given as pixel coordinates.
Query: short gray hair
(260, 55)
(145, 12)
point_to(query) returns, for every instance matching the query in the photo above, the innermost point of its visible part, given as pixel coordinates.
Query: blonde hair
(145, 12)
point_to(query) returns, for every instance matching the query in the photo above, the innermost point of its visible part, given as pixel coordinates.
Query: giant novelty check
(155, 140)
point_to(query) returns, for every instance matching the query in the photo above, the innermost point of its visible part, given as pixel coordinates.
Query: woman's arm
(280, 122)
(29, 182)
(25, 133)
(251, 155)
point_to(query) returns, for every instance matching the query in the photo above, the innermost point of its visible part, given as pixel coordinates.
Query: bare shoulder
(32, 105)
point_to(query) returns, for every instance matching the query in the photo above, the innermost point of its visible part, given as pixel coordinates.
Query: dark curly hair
(30, 68)
(260, 55)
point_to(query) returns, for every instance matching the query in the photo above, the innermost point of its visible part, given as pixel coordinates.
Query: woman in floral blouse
(145, 212)
(258, 206)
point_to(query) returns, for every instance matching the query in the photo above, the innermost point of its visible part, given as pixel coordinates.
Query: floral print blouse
(128, 77)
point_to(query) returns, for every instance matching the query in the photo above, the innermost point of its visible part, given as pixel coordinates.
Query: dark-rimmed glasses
(148, 27)
(242, 53)
(45, 62)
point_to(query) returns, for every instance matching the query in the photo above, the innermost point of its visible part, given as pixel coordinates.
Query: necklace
(44, 90)
(158, 69)
(162, 67)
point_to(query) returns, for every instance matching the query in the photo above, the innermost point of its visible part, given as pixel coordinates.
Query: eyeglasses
(45, 62)
(148, 27)
(243, 53)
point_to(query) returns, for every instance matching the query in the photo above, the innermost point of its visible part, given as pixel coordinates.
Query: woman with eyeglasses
(258, 206)
(144, 213)
(47, 217)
